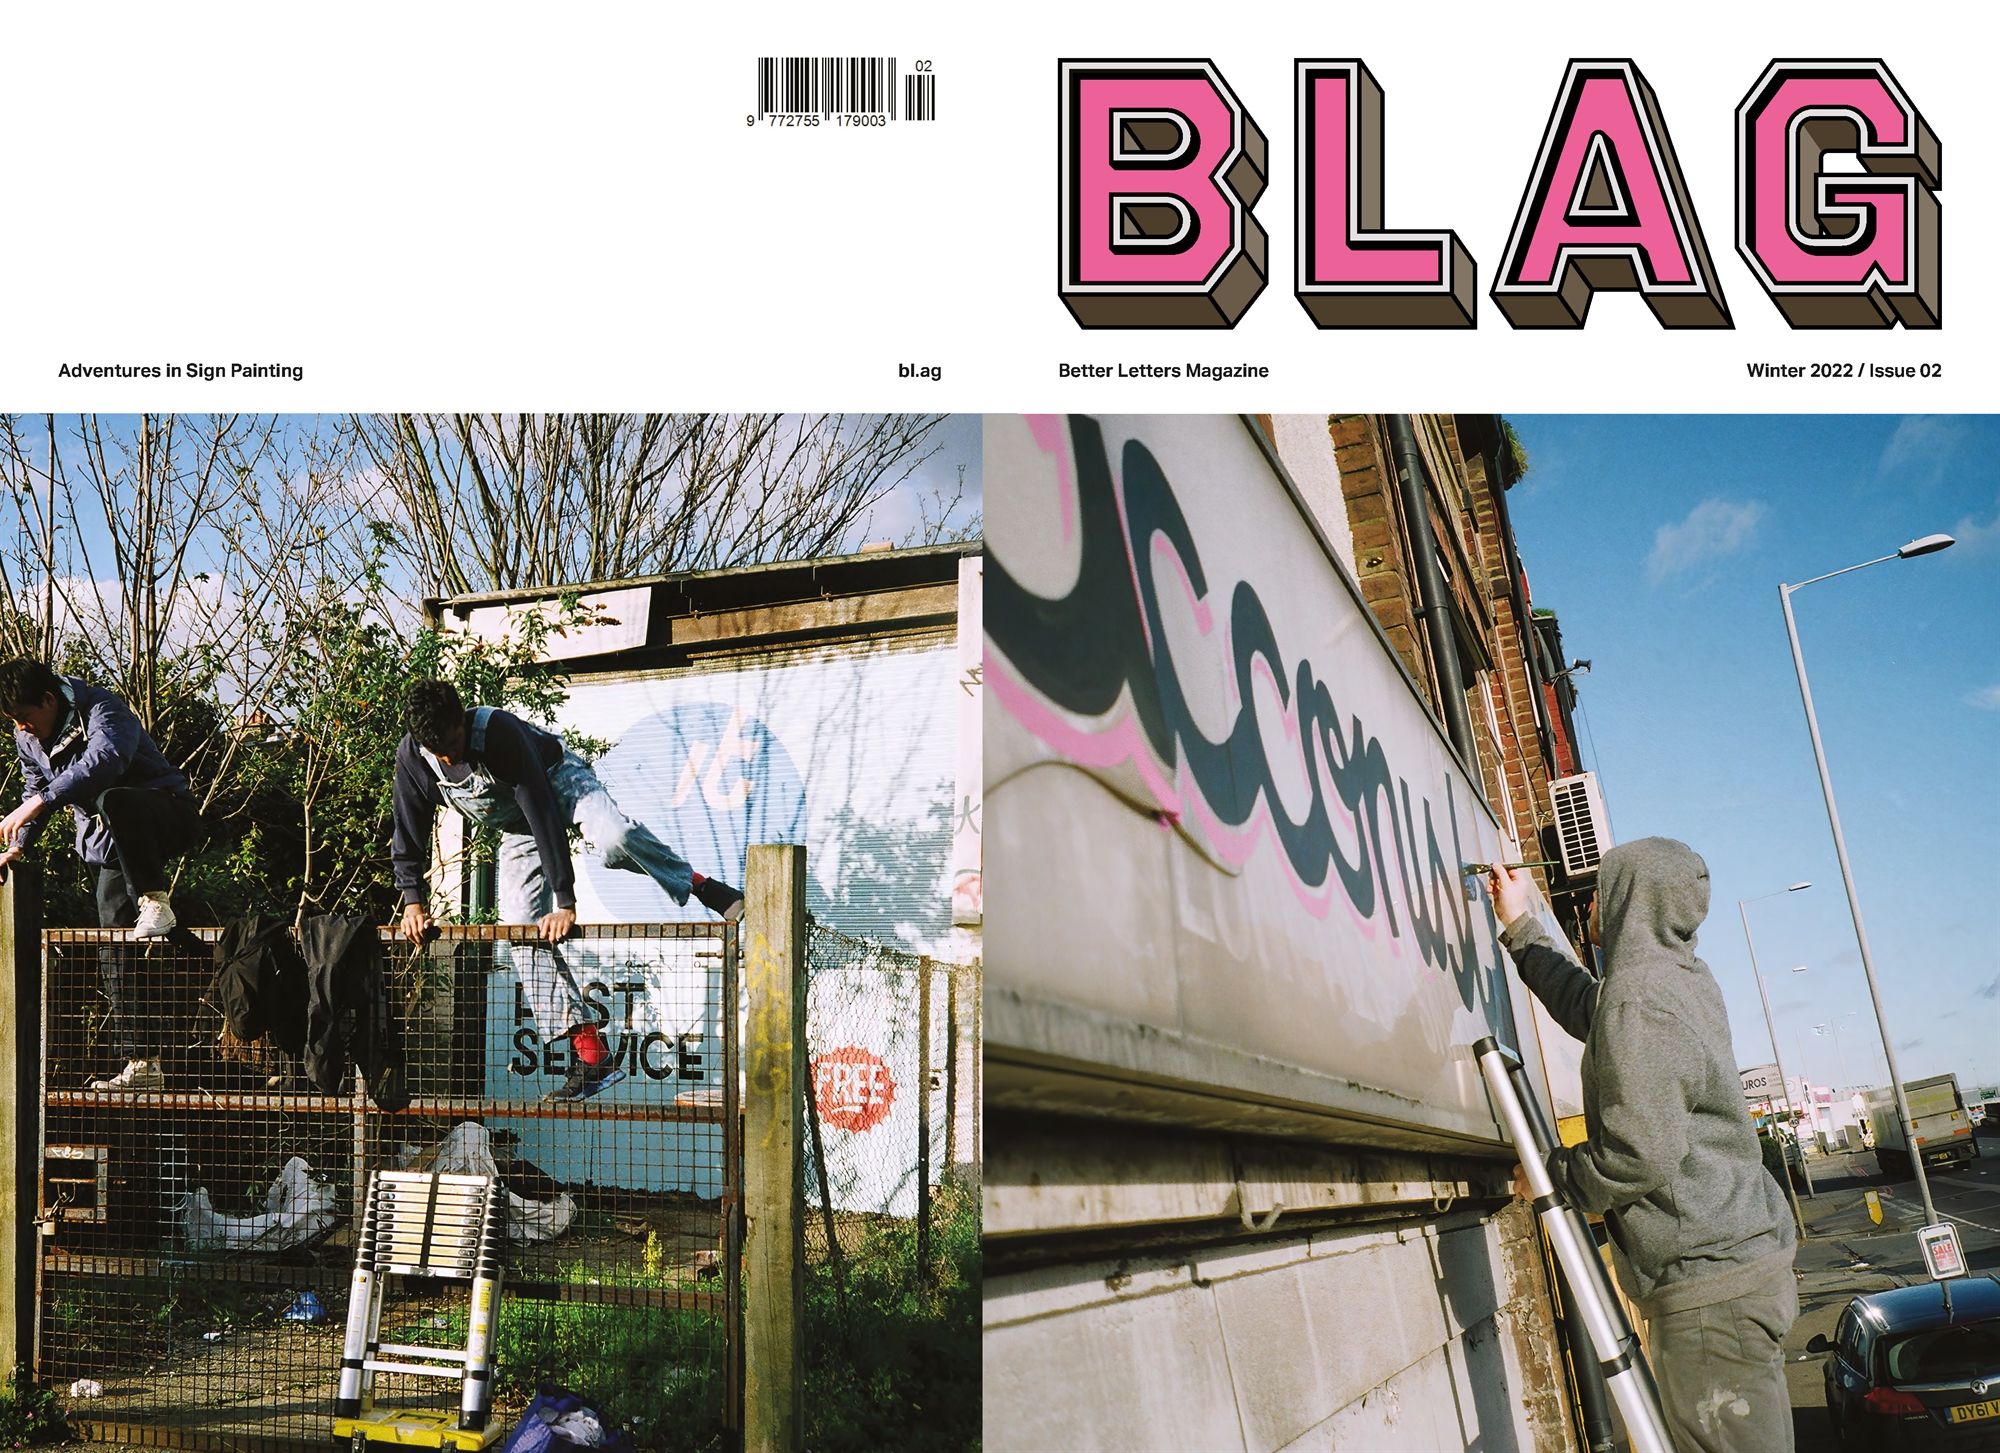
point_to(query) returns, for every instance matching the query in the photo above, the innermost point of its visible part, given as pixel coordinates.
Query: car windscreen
(1945, 1353)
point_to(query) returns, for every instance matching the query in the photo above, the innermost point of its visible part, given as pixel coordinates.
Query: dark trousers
(147, 827)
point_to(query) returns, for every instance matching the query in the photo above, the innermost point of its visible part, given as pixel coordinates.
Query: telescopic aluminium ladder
(1618, 1352)
(420, 1223)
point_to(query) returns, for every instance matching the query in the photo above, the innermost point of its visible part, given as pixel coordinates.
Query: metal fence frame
(52, 1260)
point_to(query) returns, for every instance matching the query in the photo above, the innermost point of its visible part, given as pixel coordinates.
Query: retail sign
(1942, 1254)
(1837, 216)
(1762, 1084)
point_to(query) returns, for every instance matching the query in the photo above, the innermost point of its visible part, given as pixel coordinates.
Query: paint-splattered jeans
(1721, 1372)
(525, 896)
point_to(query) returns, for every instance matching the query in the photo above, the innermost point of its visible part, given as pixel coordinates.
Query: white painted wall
(1357, 1339)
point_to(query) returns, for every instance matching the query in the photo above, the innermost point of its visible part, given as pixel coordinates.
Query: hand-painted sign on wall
(854, 1088)
(852, 752)
(1225, 832)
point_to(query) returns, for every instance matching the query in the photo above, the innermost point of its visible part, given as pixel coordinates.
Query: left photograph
(492, 909)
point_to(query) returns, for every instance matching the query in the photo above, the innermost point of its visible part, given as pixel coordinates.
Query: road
(1845, 1253)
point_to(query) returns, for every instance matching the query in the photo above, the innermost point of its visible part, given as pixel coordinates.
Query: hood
(1652, 895)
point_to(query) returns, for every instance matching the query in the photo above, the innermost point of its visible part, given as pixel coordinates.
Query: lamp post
(1833, 1026)
(1806, 1086)
(1926, 545)
(1777, 1059)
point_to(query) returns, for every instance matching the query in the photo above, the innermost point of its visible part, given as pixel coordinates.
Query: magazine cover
(548, 556)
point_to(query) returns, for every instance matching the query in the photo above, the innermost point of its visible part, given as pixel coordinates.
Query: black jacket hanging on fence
(260, 982)
(348, 1014)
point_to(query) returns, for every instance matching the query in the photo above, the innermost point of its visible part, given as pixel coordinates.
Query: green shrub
(900, 1369)
(29, 1414)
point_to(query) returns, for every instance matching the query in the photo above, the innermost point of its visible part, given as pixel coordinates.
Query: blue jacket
(99, 745)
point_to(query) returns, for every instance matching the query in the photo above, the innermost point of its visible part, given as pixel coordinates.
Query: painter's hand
(1521, 1186)
(1512, 891)
(416, 922)
(14, 826)
(559, 925)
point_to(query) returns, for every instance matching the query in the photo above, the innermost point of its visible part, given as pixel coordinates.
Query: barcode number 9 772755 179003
(848, 90)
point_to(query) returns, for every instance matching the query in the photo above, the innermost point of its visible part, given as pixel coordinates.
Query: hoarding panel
(850, 750)
(1218, 813)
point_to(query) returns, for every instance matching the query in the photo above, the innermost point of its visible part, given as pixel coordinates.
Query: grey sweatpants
(1721, 1371)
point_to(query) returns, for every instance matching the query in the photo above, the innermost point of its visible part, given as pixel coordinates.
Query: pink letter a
(1606, 208)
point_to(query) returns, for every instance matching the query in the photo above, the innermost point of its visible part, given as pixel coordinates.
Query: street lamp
(1833, 1025)
(1777, 1059)
(1925, 545)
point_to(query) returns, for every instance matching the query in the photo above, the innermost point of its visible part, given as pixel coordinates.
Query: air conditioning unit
(1581, 826)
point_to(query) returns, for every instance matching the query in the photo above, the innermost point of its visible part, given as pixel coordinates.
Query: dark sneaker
(720, 899)
(586, 1080)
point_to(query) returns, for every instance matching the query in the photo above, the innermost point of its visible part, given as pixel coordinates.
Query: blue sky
(1660, 541)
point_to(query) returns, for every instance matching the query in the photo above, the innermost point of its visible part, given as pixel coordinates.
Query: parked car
(1906, 1374)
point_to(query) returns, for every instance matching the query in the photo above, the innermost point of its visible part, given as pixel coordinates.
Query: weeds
(902, 1370)
(29, 1414)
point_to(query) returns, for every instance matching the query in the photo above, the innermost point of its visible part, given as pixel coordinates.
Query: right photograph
(1372, 1059)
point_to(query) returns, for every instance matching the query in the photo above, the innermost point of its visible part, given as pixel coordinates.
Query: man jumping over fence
(505, 773)
(81, 747)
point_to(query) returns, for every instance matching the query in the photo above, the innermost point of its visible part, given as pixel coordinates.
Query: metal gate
(197, 1228)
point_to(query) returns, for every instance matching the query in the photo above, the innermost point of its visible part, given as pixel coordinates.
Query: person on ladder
(1700, 1232)
(81, 747)
(502, 772)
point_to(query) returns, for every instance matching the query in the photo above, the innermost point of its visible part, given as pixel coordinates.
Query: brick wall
(1501, 701)
(1381, 555)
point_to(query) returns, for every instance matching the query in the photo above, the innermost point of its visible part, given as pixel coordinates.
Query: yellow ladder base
(416, 1428)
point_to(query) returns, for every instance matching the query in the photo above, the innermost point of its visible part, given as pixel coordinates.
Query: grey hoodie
(1671, 1159)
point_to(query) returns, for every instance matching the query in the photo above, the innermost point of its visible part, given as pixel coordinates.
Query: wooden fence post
(774, 963)
(20, 1108)
(924, 967)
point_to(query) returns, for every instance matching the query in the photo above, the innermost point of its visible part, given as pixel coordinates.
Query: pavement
(1845, 1253)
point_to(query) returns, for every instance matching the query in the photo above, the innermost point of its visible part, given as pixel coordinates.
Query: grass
(901, 1369)
(892, 1356)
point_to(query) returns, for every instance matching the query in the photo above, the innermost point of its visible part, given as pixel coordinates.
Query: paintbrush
(1474, 870)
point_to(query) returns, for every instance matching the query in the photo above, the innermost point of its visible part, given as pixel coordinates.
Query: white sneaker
(156, 918)
(138, 1074)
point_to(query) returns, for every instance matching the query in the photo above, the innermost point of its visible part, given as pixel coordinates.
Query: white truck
(1938, 1123)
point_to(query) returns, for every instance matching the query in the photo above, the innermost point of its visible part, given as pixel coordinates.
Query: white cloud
(1986, 700)
(1924, 440)
(1972, 535)
(1713, 528)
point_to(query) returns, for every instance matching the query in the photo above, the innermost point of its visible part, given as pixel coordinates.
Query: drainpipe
(1593, 1395)
(1433, 605)
(1506, 521)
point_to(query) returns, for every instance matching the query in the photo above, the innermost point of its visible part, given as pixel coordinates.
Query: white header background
(545, 207)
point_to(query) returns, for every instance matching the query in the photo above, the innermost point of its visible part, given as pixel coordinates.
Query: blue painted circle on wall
(755, 794)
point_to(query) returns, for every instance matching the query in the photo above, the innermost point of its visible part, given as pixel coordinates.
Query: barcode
(842, 86)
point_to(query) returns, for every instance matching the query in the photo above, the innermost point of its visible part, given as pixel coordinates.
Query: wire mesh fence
(891, 1228)
(199, 1186)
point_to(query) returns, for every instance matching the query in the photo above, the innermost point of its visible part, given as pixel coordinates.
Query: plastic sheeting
(297, 1209)
(468, 1151)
